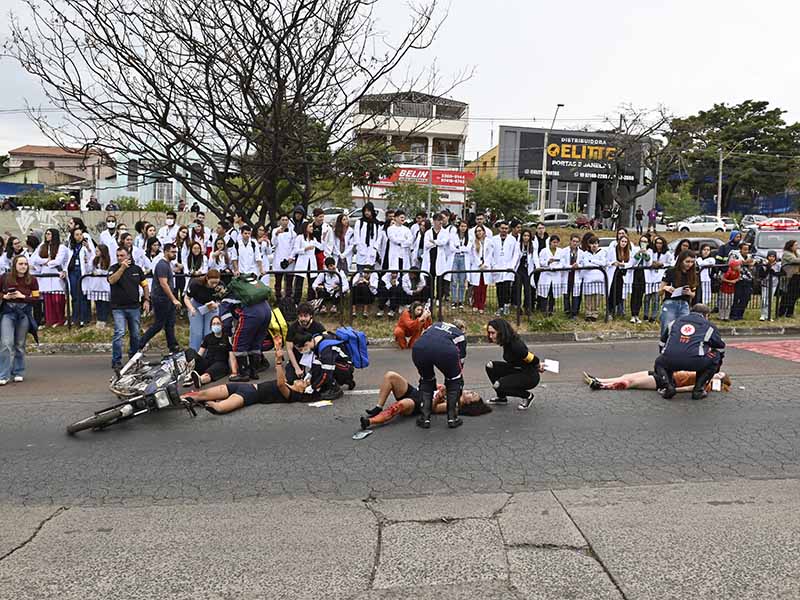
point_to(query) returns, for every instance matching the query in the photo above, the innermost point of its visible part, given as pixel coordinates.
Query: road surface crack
(589, 549)
(378, 543)
(36, 531)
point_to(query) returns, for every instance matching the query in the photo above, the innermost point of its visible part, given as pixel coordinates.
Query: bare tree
(249, 101)
(645, 141)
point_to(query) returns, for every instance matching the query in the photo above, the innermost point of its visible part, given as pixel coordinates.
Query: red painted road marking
(784, 350)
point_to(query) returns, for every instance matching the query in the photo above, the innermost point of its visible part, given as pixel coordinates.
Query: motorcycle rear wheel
(95, 421)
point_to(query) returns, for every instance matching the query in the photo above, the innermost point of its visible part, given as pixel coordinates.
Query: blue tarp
(763, 205)
(17, 189)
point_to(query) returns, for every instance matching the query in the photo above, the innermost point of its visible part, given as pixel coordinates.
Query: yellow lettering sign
(553, 150)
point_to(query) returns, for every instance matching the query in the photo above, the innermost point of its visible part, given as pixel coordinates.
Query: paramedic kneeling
(690, 343)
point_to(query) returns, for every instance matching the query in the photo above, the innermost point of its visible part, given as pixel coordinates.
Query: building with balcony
(427, 134)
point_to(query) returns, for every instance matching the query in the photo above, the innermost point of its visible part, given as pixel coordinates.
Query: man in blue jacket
(443, 346)
(690, 343)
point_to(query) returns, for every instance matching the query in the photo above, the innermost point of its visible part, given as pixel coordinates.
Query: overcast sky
(592, 56)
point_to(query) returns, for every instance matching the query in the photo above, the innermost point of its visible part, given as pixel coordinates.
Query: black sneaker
(699, 395)
(502, 401)
(365, 423)
(195, 377)
(238, 379)
(525, 403)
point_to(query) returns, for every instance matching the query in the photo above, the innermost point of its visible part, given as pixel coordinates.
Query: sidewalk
(704, 540)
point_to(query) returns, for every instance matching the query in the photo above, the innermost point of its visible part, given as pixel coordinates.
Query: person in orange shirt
(412, 323)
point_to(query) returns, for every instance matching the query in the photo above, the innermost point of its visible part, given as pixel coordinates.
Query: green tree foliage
(679, 204)
(759, 149)
(158, 206)
(412, 197)
(506, 197)
(41, 200)
(127, 203)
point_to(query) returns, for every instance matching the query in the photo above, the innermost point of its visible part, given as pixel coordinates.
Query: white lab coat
(109, 239)
(282, 249)
(372, 281)
(332, 280)
(166, 235)
(248, 256)
(221, 262)
(410, 289)
(653, 277)
(593, 280)
(367, 252)
(444, 254)
(476, 258)
(504, 254)
(305, 254)
(400, 240)
(552, 280)
(344, 249)
(611, 269)
(46, 266)
(202, 269)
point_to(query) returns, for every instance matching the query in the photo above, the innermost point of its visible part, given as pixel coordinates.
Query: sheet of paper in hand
(550, 365)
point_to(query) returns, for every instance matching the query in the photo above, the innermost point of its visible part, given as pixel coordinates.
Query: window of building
(133, 175)
(534, 186)
(572, 197)
(164, 191)
(27, 164)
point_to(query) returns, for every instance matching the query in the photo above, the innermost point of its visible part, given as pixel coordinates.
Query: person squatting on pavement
(443, 346)
(690, 343)
(412, 323)
(331, 367)
(407, 401)
(518, 372)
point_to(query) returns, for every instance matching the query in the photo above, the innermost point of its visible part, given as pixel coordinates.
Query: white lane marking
(361, 392)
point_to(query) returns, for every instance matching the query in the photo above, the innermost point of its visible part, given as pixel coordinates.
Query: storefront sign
(441, 179)
(575, 157)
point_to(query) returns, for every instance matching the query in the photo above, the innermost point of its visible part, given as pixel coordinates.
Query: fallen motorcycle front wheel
(95, 421)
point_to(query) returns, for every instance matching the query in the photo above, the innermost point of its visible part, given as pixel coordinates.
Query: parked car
(730, 223)
(605, 242)
(752, 221)
(701, 224)
(695, 243)
(551, 219)
(331, 214)
(780, 224)
(762, 241)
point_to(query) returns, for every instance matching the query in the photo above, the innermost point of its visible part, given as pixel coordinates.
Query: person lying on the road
(645, 380)
(407, 401)
(226, 398)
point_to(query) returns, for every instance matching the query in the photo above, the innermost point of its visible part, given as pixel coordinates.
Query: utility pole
(543, 191)
(719, 185)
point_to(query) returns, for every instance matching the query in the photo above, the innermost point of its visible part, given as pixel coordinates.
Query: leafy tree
(412, 197)
(508, 197)
(679, 204)
(128, 203)
(42, 200)
(758, 146)
(3, 167)
(158, 206)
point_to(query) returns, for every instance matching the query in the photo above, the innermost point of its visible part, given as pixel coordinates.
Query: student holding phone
(678, 287)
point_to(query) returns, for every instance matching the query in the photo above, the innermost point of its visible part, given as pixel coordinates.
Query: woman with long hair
(478, 261)
(343, 243)
(140, 240)
(679, 287)
(196, 263)
(682, 246)
(219, 258)
(152, 254)
(660, 260)
(305, 248)
(51, 258)
(14, 247)
(19, 291)
(78, 252)
(518, 372)
(461, 247)
(528, 262)
(182, 251)
(202, 302)
(618, 260)
(95, 284)
(641, 259)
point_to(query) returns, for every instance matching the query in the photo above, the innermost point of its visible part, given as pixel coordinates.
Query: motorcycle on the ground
(144, 387)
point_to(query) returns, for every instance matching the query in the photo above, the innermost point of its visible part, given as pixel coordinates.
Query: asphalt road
(570, 438)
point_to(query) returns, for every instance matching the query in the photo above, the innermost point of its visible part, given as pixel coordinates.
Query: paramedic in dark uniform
(690, 343)
(443, 346)
(331, 367)
(252, 328)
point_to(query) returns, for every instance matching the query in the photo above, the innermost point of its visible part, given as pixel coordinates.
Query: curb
(542, 338)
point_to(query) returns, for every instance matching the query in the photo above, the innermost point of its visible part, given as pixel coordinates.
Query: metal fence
(592, 293)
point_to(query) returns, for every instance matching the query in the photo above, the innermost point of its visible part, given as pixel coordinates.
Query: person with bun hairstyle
(518, 372)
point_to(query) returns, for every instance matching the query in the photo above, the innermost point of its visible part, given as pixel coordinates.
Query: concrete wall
(20, 222)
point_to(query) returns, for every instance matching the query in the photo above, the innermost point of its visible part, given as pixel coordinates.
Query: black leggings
(217, 369)
(509, 380)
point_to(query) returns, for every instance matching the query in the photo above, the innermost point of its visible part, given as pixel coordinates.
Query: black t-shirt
(295, 329)
(270, 393)
(125, 293)
(200, 293)
(517, 355)
(162, 269)
(669, 279)
(217, 348)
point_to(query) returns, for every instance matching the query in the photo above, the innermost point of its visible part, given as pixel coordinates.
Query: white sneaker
(379, 313)
(3, 381)
(633, 319)
(18, 379)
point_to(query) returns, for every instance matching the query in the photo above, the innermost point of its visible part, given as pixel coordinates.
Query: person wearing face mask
(168, 233)
(212, 360)
(109, 237)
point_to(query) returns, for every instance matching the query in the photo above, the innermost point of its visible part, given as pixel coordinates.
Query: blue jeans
(81, 310)
(122, 317)
(199, 326)
(13, 329)
(458, 287)
(671, 310)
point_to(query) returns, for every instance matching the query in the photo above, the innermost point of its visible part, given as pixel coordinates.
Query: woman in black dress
(518, 372)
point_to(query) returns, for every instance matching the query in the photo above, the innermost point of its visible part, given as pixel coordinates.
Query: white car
(700, 223)
(331, 214)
